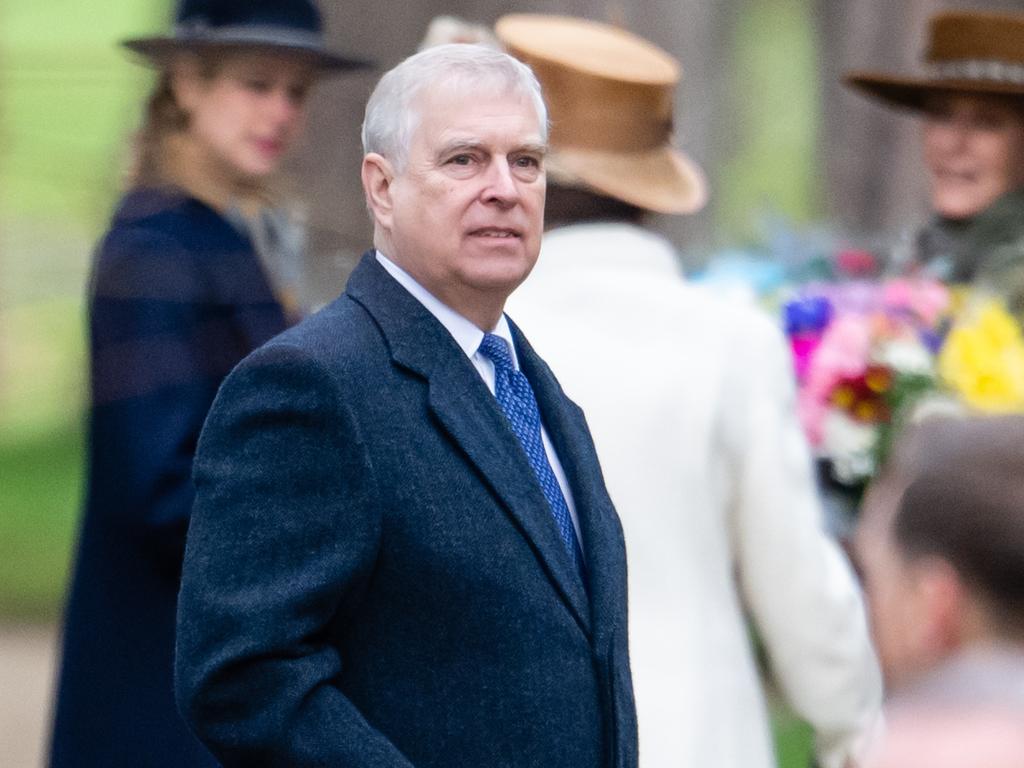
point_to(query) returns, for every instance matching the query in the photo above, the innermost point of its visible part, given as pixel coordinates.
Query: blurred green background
(67, 102)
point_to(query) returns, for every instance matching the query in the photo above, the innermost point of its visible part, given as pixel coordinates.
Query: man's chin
(500, 277)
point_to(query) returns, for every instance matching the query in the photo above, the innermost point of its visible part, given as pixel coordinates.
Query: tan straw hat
(968, 52)
(609, 97)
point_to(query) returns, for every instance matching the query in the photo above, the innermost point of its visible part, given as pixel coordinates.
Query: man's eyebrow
(459, 145)
(469, 145)
(534, 149)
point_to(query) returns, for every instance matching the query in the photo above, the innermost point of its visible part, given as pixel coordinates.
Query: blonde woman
(179, 295)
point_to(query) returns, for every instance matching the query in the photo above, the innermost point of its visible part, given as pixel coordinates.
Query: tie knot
(496, 350)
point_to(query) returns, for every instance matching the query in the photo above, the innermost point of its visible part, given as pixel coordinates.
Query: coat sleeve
(151, 386)
(796, 583)
(284, 535)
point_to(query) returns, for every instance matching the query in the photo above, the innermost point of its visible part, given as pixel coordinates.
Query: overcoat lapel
(471, 417)
(567, 428)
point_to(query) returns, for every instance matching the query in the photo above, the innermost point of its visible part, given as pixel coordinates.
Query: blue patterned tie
(516, 398)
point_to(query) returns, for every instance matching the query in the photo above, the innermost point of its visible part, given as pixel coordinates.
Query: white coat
(691, 405)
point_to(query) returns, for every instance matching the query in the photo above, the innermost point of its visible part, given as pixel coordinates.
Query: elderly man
(691, 405)
(941, 543)
(402, 552)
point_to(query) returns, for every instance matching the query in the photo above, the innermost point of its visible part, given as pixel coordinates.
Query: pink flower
(928, 300)
(842, 353)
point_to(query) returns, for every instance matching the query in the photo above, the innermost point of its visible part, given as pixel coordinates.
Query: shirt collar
(464, 331)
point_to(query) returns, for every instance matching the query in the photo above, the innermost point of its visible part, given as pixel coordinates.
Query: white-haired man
(402, 552)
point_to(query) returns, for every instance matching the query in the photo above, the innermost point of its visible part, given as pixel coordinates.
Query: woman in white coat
(691, 405)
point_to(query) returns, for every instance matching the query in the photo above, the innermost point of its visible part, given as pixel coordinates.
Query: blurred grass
(42, 388)
(794, 740)
(39, 497)
(69, 97)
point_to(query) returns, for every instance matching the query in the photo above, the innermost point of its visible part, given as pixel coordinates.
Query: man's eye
(528, 161)
(461, 160)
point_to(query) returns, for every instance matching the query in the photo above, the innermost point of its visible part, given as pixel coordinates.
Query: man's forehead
(449, 102)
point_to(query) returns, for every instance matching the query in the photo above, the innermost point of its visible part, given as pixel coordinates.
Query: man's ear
(945, 601)
(378, 176)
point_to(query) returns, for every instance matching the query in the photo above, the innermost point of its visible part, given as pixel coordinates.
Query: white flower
(850, 445)
(936, 405)
(905, 356)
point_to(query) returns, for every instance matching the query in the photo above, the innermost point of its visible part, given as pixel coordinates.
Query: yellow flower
(983, 360)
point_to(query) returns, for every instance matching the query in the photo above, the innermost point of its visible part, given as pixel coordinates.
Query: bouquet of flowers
(869, 352)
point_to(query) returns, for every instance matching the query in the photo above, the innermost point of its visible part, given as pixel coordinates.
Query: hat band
(201, 31)
(982, 70)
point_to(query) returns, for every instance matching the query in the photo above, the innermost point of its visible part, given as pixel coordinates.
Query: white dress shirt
(468, 336)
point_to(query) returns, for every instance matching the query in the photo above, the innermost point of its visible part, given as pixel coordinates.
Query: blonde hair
(162, 118)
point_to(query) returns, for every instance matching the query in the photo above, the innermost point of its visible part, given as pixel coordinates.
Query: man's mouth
(495, 232)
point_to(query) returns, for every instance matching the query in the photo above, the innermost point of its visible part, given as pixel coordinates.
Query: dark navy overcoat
(373, 576)
(177, 299)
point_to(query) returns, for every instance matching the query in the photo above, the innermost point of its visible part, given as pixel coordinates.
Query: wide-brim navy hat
(284, 25)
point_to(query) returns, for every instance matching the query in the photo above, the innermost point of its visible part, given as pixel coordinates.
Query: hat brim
(913, 93)
(159, 49)
(663, 180)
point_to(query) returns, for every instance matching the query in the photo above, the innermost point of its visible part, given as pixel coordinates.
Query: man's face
(467, 211)
(899, 620)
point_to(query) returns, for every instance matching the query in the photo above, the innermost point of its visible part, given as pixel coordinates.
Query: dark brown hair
(566, 204)
(964, 503)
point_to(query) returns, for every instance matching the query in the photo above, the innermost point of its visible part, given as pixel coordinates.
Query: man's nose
(502, 186)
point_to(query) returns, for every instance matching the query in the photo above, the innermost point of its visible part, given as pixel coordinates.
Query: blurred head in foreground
(942, 544)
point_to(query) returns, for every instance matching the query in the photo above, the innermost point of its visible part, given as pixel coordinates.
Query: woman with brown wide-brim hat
(180, 293)
(972, 107)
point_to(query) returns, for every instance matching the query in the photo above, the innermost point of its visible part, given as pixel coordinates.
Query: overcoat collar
(472, 418)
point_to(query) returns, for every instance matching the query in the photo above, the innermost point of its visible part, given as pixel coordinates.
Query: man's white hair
(392, 112)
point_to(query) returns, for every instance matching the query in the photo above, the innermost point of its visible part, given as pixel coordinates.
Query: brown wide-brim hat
(967, 52)
(609, 97)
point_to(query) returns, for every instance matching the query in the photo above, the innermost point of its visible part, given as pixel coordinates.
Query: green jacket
(986, 251)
